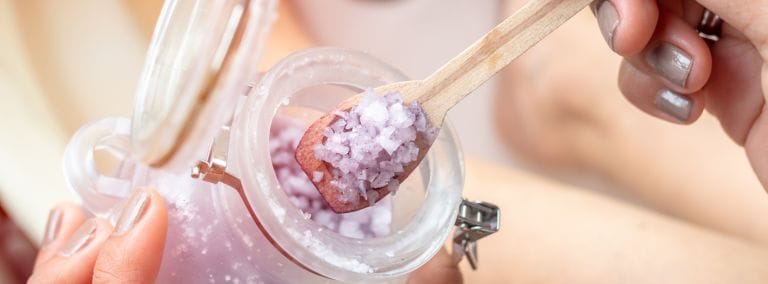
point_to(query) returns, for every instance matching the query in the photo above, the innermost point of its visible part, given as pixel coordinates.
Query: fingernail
(81, 238)
(670, 62)
(52, 227)
(608, 20)
(132, 212)
(674, 104)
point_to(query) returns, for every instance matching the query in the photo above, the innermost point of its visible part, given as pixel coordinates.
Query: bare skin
(107, 257)
(555, 233)
(572, 129)
(729, 78)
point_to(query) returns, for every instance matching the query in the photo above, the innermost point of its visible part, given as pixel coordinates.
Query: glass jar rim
(336, 256)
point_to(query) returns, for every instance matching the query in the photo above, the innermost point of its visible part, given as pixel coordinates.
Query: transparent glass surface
(427, 206)
(202, 55)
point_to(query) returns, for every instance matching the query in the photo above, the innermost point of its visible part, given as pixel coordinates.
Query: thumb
(133, 252)
(441, 269)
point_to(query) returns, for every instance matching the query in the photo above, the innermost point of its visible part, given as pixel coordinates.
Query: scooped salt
(371, 222)
(370, 145)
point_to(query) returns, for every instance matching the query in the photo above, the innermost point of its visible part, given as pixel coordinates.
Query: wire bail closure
(476, 220)
(214, 169)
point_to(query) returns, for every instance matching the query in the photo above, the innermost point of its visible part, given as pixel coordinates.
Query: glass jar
(216, 234)
(434, 190)
(211, 235)
(230, 220)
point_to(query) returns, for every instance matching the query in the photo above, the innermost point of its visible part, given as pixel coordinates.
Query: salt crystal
(371, 222)
(400, 118)
(350, 228)
(380, 229)
(375, 114)
(371, 144)
(361, 217)
(273, 146)
(299, 201)
(341, 114)
(385, 140)
(337, 148)
(384, 178)
(317, 176)
(405, 134)
(368, 97)
(281, 158)
(338, 126)
(372, 197)
(393, 186)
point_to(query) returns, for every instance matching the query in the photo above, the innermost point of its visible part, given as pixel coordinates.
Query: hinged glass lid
(202, 55)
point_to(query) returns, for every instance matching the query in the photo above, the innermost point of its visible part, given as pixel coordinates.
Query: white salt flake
(376, 114)
(350, 228)
(317, 176)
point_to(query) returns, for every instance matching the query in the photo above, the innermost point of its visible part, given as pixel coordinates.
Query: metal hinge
(214, 169)
(476, 220)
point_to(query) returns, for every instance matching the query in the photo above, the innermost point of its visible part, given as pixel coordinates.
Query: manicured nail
(674, 104)
(670, 62)
(608, 20)
(132, 212)
(81, 238)
(52, 227)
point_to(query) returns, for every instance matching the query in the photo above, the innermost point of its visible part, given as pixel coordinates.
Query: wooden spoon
(446, 87)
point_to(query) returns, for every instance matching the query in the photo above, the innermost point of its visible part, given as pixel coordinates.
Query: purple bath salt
(370, 145)
(370, 222)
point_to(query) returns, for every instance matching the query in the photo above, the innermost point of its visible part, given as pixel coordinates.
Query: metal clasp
(476, 220)
(214, 170)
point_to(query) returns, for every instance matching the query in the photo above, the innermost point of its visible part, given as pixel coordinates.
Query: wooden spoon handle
(463, 74)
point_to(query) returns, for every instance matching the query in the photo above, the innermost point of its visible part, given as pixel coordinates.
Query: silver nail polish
(80, 238)
(608, 20)
(674, 104)
(670, 62)
(52, 227)
(131, 213)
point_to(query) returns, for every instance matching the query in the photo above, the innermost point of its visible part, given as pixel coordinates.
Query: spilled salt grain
(317, 176)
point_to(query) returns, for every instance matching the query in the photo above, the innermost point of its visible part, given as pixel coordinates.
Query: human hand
(76, 250)
(672, 73)
(440, 269)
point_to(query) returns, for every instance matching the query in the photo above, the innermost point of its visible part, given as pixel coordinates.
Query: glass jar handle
(99, 192)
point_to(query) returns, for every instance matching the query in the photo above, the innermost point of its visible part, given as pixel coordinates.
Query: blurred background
(65, 63)
(556, 110)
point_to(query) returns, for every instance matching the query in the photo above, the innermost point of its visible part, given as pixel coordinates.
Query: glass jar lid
(201, 58)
